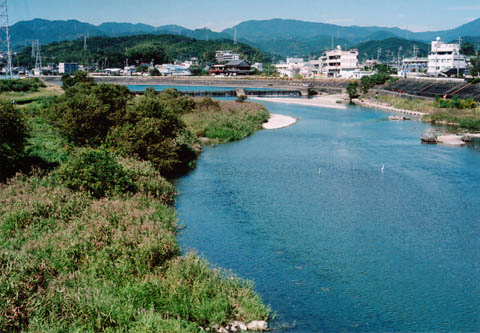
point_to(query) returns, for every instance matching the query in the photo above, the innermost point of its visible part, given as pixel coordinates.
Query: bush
(455, 103)
(85, 114)
(21, 85)
(97, 172)
(13, 135)
(69, 81)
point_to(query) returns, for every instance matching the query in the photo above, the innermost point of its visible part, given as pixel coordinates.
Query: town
(444, 61)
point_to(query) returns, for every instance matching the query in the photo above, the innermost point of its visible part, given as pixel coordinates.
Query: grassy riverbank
(89, 237)
(225, 121)
(468, 119)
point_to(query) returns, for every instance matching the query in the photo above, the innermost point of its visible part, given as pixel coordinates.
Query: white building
(225, 56)
(445, 59)
(67, 68)
(258, 66)
(341, 64)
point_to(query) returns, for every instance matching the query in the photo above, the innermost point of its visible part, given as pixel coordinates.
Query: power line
(5, 36)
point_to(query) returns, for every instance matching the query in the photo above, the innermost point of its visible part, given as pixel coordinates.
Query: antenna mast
(5, 36)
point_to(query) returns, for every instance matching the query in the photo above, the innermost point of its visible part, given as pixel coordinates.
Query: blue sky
(416, 15)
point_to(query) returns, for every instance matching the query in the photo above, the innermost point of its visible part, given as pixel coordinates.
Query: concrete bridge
(243, 92)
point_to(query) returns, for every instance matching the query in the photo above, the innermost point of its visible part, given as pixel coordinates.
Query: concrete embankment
(384, 107)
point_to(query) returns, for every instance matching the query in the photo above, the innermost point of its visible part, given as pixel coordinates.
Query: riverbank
(375, 104)
(84, 260)
(337, 101)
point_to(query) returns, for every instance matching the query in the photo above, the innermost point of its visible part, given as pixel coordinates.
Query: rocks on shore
(238, 326)
(429, 137)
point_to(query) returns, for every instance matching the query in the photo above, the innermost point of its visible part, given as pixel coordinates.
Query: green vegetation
(89, 242)
(455, 103)
(21, 85)
(112, 51)
(369, 82)
(225, 121)
(352, 90)
(369, 49)
(466, 117)
(13, 135)
(475, 70)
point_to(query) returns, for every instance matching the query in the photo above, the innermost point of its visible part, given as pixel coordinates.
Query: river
(331, 242)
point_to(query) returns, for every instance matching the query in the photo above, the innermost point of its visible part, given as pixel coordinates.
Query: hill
(391, 46)
(113, 51)
(278, 36)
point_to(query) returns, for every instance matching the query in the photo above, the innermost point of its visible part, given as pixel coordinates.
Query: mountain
(25, 32)
(391, 47)
(264, 30)
(114, 51)
(469, 29)
(277, 36)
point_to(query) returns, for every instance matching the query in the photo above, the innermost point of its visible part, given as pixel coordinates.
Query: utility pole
(5, 36)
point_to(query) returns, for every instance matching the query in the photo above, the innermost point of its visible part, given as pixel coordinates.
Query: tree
(154, 72)
(79, 77)
(475, 70)
(352, 90)
(142, 69)
(468, 49)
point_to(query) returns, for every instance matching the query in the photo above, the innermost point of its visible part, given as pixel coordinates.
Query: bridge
(243, 92)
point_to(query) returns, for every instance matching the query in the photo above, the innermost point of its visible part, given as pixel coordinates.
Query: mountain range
(277, 36)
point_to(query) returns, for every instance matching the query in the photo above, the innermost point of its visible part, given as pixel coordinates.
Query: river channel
(332, 242)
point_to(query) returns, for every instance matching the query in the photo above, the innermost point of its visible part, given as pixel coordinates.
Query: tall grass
(226, 121)
(72, 262)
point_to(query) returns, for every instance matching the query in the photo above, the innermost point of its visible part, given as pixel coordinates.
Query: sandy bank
(277, 121)
(384, 107)
(451, 140)
(327, 101)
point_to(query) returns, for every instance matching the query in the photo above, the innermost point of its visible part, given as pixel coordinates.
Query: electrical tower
(85, 44)
(38, 60)
(33, 49)
(235, 36)
(379, 54)
(5, 37)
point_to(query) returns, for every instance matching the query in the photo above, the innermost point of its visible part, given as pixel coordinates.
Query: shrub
(21, 85)
(97, 172)
(86, 112)
(69, 81)
(13, 133)
(455, 103)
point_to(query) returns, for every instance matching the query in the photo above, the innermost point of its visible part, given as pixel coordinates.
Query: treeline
(21, 85)
(114, 52)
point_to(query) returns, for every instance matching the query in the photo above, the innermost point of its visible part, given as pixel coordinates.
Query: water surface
(351, 249)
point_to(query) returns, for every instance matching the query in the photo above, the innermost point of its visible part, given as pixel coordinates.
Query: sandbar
(277, 121)
(327, 101)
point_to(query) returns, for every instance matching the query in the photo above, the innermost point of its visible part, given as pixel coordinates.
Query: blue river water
(349, 248)
(352, 249)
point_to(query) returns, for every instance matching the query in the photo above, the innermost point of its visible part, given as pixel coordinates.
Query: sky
(415, 15)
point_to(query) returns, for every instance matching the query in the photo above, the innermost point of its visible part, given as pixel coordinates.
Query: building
(174, 70)
(258, 66)
(232, 68)
(414, 66)
(67, 68)
(226, 56)
(339, 63)
(445, 59)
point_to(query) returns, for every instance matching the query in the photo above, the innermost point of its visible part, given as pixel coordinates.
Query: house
(232, 68)
(238, 67)
(445, 59)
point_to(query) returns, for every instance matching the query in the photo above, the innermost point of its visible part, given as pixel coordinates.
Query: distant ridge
(278, 36)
